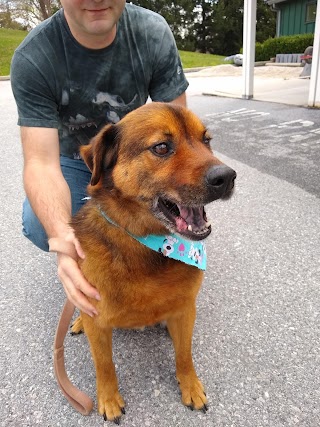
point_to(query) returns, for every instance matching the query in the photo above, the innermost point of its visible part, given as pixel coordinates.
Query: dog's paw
(112, 409)
(193, 394)
(77, 326)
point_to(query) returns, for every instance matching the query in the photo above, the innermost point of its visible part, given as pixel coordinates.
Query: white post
(314, 89)
(249, 39)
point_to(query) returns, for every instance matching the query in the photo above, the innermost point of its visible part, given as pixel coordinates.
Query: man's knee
(32, 228)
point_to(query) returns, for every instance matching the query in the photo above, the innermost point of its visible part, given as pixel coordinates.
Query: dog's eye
(162, 149)
(206, 139)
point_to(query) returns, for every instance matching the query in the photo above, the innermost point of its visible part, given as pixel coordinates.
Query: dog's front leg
(181, 330)
(110, 402)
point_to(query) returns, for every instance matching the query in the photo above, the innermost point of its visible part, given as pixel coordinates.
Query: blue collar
(171, 246)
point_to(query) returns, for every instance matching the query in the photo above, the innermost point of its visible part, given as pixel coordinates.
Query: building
(249, 28)
(294, 16)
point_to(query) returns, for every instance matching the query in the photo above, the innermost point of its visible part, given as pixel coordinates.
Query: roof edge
(271, 2)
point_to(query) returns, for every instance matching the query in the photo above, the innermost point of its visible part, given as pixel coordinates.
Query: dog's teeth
(190, 227)
(208, 224)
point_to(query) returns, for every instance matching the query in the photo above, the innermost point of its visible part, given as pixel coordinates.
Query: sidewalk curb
(195, 69)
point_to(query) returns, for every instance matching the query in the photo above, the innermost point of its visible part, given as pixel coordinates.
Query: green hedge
(284, 44)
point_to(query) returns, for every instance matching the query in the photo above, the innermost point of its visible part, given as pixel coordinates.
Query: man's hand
(75, 285)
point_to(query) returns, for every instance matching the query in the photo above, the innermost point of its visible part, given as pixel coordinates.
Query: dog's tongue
(190, 217)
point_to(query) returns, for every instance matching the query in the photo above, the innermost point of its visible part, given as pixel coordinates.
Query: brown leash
(79, 400)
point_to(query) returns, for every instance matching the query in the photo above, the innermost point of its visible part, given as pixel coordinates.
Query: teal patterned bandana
(172, 246)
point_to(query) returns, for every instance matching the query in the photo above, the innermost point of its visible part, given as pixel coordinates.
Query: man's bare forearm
(49, 196)
(44, 183)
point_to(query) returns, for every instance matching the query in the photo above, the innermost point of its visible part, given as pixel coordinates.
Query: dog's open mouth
(189, 221)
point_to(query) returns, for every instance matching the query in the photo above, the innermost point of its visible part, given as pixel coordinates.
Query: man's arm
(44, 184)
(181, 100)
(50, 198)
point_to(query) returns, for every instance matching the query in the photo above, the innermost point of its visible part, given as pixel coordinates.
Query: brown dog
(152, 173)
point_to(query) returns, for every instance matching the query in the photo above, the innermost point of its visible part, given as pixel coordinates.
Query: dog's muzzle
(219, 182)
(189, 218)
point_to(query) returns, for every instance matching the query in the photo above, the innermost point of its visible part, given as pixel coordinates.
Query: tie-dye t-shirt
(58, 83)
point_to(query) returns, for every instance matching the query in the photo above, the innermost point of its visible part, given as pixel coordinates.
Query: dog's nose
(220, 181)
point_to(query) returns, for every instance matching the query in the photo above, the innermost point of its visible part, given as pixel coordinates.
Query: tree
(35, 11)
(214, 26)
(180, 15)
(227, 27)
(224, 26)
(6, 20)
(203, 25)
(266, 22)
(29, 12)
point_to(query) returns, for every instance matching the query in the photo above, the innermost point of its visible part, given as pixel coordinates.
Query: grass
(10, 39)
(195, 59)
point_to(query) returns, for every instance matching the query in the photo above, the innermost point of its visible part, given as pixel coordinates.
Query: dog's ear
(101, 153)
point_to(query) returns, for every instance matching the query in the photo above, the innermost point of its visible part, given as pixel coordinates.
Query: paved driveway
(256, 341)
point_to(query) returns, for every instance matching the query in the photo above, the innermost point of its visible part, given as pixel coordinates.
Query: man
(89, 64)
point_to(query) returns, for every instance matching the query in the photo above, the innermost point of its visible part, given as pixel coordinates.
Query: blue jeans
(78, 177)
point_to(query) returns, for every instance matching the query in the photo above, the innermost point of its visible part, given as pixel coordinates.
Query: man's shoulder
(42, 33)
(140, 15)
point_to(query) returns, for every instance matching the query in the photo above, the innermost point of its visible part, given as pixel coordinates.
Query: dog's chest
(148, 299)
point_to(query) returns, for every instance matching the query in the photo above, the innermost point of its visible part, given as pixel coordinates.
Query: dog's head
(159, 157)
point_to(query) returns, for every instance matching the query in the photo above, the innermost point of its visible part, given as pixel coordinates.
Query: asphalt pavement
(257, 335)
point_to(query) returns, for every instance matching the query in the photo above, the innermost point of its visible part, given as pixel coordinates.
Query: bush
(185, 44)
(284, 44)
